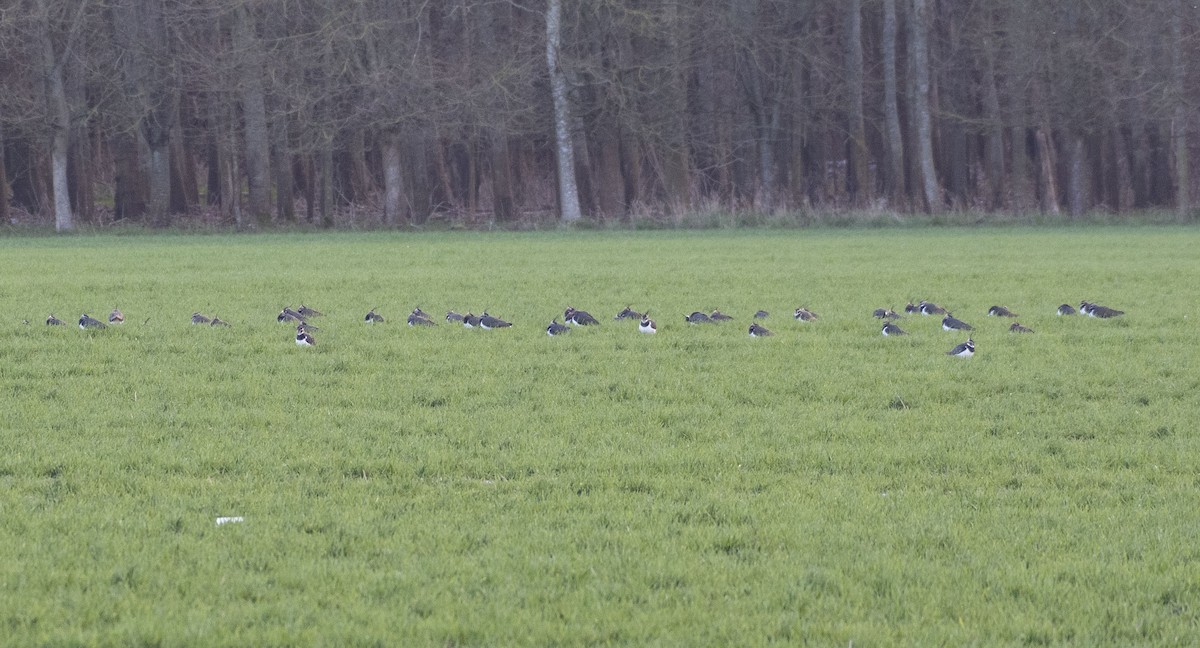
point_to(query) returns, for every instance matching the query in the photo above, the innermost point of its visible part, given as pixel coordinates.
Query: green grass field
(400, 486)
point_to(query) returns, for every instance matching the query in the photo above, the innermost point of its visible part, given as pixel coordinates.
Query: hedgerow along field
(403, 486)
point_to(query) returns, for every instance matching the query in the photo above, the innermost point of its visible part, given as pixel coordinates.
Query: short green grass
(400, 486)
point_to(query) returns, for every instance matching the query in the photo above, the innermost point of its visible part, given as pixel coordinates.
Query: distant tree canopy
(256, 112)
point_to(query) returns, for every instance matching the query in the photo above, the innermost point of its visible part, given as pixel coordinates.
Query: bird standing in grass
(964, 350)
(1066, 309)
(930, 308)
(718, 316)
(289, 315)
(951, 323)
(197, 318)
(470, 320)
(804, 315)
(88, 322)
(1000, 311)
(217, 321)
(762, 314)
(452, 316)
(372, 317)
(1017, 328)
(886, 313)
(578, 317)
(697, 318)
(647, 325)
(757, 330)
(116, 317)
(488, 322)
(54, 321)
(307, 312)
(420, 318)
(303, 337)
(890, 329)
(557, 329)
(628, 313)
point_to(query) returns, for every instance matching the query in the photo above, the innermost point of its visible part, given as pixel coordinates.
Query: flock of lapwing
(573, 317)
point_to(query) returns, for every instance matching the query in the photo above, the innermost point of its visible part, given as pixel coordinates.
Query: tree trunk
(918, 32)
(1179, 131)
(568, 194)
(894, 177)
(254, 115)
(504, 208)
(285, 199)
(392, 188)
(5, 216)
(858, 180)
(1047, 159)
(1076, 189)
(55, 96)
(995, 129)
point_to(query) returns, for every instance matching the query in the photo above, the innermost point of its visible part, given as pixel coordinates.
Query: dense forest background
(394, 112)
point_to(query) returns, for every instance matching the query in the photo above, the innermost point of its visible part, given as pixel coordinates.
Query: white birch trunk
(568, 193)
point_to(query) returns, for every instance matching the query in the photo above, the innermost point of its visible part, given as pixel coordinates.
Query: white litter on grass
(228, 520)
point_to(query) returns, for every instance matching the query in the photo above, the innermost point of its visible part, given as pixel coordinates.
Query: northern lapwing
(289, 315)
(1066, 309)
(54, 321)
(718, 316)
(911, 308)
(1017, 328)
(964, 350)
(307, 312)
(489, 322)
(804, 315)
(372, 317)
(647, 325)
(885, 313)
(1000, 311)
(890, 329)
(418, 318)
(762, 314)
(88, 322)
(452, 316)
(628, 313)
(470, 320)
(757, 330)
(116, 317)
(197, 318)
(1096, 310)
(930, 308)
(303, 338)
(217, 321)
(697, 318)
(578, 317)
(557, 329)
(952, 323)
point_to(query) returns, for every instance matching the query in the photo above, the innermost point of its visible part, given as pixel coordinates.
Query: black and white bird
(307, 312)
(217, 321)
(418, 318)
(1066, 309)
(952, 323)
(1096, 310)
(489, 322)
(372, 317)
(628, 313)
(578, 318)
(289, 315)
(762, 314)
(964, 350)
(1017, 328)
(757, 330)
(930, 308)
(54, 321)
(470, 320)
(116, 317)
(1000, 311)
(890, 329)
(303, 337)
(647, 325)
(886, 313)
(911, 308)
(697, 318)
(718, 316)
(197, 318)
(452, 316)
(88, 322)
(804, 315)
(557, 329)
